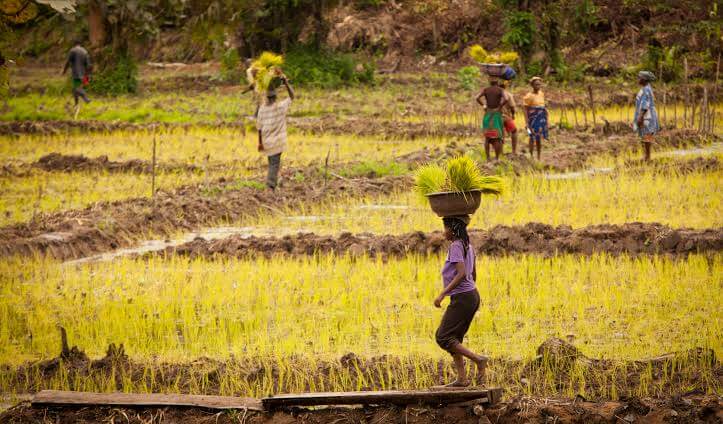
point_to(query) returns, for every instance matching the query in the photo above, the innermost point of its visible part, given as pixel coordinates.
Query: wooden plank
(395, 397)
(58, 397)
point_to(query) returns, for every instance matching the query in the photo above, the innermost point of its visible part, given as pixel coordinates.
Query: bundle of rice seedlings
(430, 178)
(478, 53)
(266, 66)
(509, 58)
(462, 175)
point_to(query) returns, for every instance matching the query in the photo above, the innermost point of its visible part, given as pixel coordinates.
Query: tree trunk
(96, 25)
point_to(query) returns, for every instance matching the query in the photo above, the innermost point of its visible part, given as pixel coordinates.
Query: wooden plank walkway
(58, 397)
(394, 397)
(431, 397)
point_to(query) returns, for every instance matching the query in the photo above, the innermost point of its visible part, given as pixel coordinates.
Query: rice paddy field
(76, 209)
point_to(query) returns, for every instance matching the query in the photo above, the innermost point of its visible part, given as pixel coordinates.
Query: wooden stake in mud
(687, 92)
(675, 112)
(153, 171)
(703, 126)
(665, 106)
(592, 106)
(326, 167)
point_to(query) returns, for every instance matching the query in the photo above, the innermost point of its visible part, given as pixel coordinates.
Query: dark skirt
(537, 121)
(457, 319)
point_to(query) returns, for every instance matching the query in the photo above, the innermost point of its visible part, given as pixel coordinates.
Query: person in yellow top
(536, 116)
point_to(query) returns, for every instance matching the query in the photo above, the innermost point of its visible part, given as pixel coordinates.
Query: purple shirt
(456, 254)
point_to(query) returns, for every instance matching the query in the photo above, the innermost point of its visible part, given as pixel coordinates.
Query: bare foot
(456, 384)
(481, 363)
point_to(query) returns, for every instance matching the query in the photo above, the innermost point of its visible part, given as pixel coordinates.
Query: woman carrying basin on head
(646, 117)
(458, 278)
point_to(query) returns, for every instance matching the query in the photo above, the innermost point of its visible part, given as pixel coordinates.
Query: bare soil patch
(692, 408)
(73, 163)
(678, 377)
(109, 225)
(534, 238)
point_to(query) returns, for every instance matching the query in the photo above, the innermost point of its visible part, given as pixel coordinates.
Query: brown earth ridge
(680, 391)
(533, 238)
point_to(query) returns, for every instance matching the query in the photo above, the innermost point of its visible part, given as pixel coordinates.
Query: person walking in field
(536, 116)
(492, 124)
(271, 125)
(508, 114)
(646, 117)
(458, 277)
(4, 81)
(80, 67)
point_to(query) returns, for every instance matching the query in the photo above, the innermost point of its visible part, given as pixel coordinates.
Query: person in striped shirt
(271, 125)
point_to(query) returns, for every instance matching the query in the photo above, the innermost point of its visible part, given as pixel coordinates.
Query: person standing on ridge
(508, 114)
(536, 116)
(646, 117)
(492, 124)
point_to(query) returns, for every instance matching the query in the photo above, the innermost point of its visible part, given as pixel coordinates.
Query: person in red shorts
(508, 113)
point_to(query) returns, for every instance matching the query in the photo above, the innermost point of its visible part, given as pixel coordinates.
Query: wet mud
(106, 226)
(532, 387)
(532, 238)
(693, 408)
(565, 152)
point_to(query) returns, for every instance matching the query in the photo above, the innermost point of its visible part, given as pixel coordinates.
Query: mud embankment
(72, 163)
(106, 226)
(691, 408)
(680, 381)
(533, 238)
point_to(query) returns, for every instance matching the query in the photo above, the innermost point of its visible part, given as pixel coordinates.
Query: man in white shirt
(271, 124)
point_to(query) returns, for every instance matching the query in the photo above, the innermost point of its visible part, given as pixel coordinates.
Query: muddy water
(712, 148)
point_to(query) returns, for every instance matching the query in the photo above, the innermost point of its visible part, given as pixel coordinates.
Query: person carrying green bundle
(271, 124)
(493, 121)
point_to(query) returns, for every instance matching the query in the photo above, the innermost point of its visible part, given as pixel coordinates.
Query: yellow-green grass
(222, 146)
(685, 200)
(670, 115)
(178, 309)
(21, 198)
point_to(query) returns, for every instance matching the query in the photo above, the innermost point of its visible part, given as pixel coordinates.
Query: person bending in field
(271, 124)
(492, 124)
(458, 277)
(646, 117)
(79, 64)
(508, 114)
(536, 116)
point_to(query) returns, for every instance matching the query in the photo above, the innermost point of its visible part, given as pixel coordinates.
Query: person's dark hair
(459, 230)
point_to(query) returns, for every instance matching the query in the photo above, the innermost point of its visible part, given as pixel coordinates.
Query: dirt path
(535, 238)
(692, 408)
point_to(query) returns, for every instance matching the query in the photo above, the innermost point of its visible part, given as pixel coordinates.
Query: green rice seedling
(464, 175)
(430, 178)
